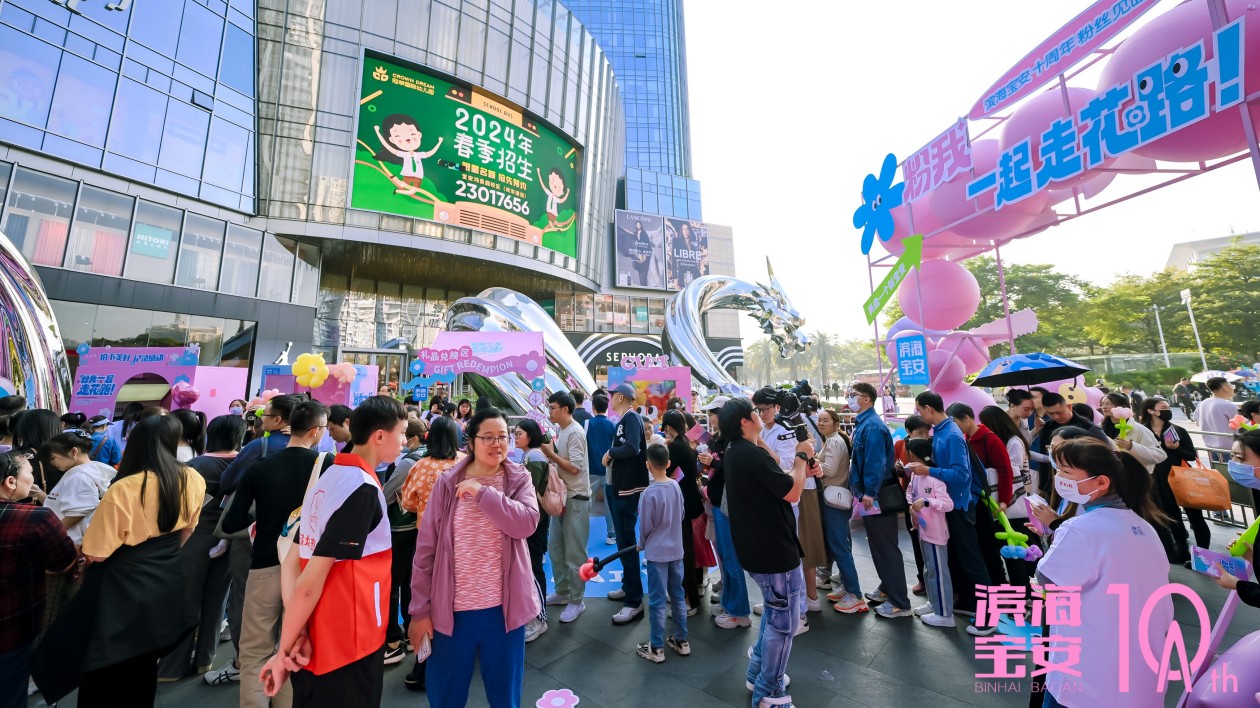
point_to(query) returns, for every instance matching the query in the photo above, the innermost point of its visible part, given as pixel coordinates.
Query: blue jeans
(734, 584)
(665, 590)
(781, 593)
(625, 516)
(15, 672)
(840, 546)
(479, 636)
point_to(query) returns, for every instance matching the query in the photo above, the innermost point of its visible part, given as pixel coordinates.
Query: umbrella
(1203, 376)
(1245, 373)
(1028, 370)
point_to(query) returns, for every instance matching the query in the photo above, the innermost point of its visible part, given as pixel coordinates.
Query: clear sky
(792, 104)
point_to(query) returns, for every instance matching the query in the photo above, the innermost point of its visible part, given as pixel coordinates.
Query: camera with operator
(795, 405)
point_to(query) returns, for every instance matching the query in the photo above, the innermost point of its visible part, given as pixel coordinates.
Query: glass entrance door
(389, 365)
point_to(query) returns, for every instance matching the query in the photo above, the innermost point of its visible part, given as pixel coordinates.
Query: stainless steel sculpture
(504, 310)
(33, 356)
(682, 338)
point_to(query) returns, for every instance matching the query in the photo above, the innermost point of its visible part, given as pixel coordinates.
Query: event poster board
(487, 354)
(332, 392)
(438, 149)
(103, 371)
(640, 252)
(654, 387)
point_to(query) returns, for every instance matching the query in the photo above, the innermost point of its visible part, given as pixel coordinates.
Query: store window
(98, 241)
(656, 315)
(240, 261)
(639, 315)
(154, 239)
(603, 313)
(38, 221)
(306, 274)
(584, 319)
(621, 313)
(200, 252)
(277, 269)
(564, 312)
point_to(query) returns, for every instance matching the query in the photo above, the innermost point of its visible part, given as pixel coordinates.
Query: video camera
(795, 404)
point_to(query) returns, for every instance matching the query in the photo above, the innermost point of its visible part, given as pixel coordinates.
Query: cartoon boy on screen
(401, 139)
(556, 193)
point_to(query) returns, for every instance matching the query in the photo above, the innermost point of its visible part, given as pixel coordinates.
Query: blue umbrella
(1028, 370)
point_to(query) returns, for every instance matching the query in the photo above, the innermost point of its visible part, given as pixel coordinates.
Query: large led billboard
(640, 250)
(432, 148)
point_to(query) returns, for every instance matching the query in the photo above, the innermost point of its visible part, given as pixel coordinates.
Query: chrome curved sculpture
(682, 338)
(34, 358)
(504, 310)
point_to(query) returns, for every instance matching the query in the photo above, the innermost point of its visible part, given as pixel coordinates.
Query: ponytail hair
(1129, 478)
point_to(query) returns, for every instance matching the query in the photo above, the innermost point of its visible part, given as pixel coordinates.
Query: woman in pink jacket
(929, 501)
(473, 601)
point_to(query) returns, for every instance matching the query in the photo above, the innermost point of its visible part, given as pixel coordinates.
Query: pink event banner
(103, 371)
(486, 353)
(937, 162)
(1088, 31)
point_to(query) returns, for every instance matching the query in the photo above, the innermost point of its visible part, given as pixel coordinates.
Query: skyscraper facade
(645, 42)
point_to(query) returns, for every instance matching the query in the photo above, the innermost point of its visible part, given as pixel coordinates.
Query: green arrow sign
(888, 287)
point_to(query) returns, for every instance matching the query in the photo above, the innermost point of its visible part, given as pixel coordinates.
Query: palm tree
(823, 353)
(762, 358)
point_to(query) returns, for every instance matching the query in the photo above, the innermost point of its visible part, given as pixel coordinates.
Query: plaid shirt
(32, 540)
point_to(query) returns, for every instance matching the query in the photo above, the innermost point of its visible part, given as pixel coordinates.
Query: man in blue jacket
(953, 467)
(873, 468)
(628, 459)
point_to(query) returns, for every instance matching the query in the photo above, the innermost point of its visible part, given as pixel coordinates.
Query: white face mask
(853, 402)
(1069, 489)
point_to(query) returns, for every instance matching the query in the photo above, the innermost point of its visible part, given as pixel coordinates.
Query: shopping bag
(1199, 488)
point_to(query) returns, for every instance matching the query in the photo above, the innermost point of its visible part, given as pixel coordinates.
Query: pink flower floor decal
(558, 698)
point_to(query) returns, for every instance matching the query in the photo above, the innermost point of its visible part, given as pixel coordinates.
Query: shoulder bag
(289, 531)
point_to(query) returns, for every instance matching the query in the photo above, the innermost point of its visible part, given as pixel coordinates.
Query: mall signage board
(659, 252)
(434, 148)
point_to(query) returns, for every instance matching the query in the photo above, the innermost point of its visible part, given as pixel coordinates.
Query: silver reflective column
(682, 338)
(33, 356)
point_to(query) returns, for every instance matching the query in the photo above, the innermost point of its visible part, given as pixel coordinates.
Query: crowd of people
(326, 543)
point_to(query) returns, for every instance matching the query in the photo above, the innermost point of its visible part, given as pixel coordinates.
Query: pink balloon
(184, 394)
(947, 371)
(949, 292)
(1241, 661)
(971, 352)
(949, 202)
(970, 395)
(1221, 133)
(1035, 116)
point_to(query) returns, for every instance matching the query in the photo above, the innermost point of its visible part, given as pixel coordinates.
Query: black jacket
(629, 455)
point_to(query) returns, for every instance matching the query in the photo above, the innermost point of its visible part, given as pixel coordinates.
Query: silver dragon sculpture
(682, 338)
(33, 357)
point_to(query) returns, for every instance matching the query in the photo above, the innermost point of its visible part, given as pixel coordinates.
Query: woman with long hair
(463, 412)
(207, 575)
(834, 459)
(683, 458)
(1139, 441)
(31, 429)
(472, 588)
(131, 608)
(1179, 448)
(528, 438)
(998, 421)
(1108, 544)
(192, 441)
(441, 452)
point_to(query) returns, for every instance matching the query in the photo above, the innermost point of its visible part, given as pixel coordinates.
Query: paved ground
(842, 661)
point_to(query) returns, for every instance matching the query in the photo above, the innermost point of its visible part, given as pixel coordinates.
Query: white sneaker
(222, 677)
(923, 610)
(814, 605)
(571, 612)
(801, 627)
(628, 614)
(617, 594)
(726, 621)
(557, 599)
(936, 620)
(759, 608)
(890, 611)
(535, 629)
(787, 680)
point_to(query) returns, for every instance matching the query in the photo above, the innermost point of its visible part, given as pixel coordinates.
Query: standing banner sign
(486, 354)
(888, 286)
(912, 361)
(103, 371)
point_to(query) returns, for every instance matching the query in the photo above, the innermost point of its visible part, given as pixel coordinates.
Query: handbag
(289, 531)
(553, 497)
(1199, 488)
(891, 499)
(838, 497)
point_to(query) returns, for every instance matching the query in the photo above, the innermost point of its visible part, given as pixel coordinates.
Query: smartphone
(1035, 500)
(424, 650)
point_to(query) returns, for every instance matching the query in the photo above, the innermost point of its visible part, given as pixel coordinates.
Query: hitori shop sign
(1174, 93)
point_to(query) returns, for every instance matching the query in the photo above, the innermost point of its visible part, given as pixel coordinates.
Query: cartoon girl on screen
(400, 136)
(556, 193)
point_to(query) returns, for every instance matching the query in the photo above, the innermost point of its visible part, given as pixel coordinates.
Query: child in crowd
(660, 539)
(929, 501)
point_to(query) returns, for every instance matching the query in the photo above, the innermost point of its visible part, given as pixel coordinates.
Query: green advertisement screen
(452, 153)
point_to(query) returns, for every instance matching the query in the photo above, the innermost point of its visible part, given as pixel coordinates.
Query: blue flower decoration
(417, 367)
(538, 384)
(190, 357)
(182, 378)
(83, 349)
(879, 197)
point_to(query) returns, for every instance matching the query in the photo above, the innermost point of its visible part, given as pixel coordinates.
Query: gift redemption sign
(435, 149)
(488, 354)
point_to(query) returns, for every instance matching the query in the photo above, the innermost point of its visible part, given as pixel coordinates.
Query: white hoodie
(78, 493)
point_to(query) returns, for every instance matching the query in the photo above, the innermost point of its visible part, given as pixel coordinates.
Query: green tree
(1225, 290)
(1120, 319)
(762, 360)
(822, 354)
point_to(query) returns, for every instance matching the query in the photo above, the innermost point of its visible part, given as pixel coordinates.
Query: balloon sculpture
(1016, 542)
(184, 394)
(343, 372)
(310, 370)
(1124, 422)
